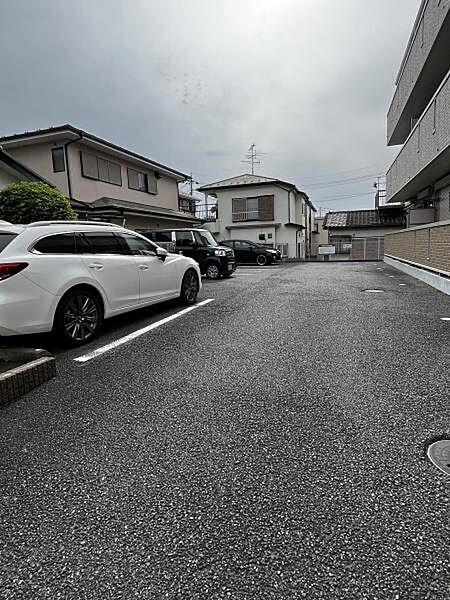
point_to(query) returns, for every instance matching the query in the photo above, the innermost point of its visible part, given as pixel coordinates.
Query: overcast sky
(192, 83)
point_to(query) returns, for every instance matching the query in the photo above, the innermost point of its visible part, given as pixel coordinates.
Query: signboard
(327, 249)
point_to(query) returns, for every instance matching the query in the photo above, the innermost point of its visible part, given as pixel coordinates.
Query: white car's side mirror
(161, 253)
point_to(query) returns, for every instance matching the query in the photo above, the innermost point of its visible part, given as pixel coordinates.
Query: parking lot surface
(270, 444)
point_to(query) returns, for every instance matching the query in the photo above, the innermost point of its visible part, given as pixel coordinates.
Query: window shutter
(152, 183)
(265, 208)
(238, 208)
(133, 179)
(115, 173)
(89, 165)
(103, 169)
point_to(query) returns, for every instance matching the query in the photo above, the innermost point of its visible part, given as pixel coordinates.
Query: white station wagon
(67, 276)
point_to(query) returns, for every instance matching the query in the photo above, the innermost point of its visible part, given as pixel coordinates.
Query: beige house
(102, 180)
(264, 210)
(13, 171)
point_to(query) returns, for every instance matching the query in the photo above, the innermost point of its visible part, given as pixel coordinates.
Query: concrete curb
(39, 366)
(433, 279)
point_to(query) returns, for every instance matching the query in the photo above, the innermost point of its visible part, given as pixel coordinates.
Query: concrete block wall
(427, 246)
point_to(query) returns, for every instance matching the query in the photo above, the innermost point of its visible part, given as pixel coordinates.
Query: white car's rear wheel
(79, 317)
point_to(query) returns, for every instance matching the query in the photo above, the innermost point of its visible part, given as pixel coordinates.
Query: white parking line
(131, 336)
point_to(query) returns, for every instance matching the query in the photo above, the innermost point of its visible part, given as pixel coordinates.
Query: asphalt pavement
(267, 445)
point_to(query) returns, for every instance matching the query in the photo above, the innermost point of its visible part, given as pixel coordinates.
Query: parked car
(250, 252)
(67, 276)
(215, 260)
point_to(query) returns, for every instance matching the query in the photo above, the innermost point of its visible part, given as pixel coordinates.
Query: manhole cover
(439, 454)
(374, 291)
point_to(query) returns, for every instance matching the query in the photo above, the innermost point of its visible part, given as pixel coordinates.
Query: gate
(369, 248)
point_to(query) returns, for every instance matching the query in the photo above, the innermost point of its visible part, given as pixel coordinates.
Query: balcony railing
(206, 212)
(427, 141)
(248, 215)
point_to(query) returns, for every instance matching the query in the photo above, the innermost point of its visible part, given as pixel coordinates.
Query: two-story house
(263, 210)
(419, 119)
(13, 171)
(103, 181)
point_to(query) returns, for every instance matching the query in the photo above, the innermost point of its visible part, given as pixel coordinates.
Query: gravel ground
(270, 445)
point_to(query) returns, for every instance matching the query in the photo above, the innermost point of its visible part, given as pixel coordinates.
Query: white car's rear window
(5, 238)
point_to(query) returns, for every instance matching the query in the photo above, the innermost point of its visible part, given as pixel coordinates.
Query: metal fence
(369, 248)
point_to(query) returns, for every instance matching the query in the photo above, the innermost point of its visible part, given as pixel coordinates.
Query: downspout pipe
(66, 158)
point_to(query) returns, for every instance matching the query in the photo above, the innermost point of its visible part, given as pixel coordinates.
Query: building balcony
(425, 156)
(206, 212)
(426, 61)
(247, 215)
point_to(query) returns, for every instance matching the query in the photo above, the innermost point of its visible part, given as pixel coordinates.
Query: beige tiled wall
(427, 246)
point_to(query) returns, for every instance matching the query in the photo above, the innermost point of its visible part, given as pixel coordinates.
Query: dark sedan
(249, 252)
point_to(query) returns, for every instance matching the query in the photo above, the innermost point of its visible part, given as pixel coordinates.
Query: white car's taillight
(9, 269)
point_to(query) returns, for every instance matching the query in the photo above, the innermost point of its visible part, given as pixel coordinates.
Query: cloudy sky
(192, 83)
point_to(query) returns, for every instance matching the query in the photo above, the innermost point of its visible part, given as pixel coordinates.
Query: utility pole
(191, 184)
(252, 157)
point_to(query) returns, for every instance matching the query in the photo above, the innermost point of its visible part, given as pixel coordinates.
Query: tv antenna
(252, 157)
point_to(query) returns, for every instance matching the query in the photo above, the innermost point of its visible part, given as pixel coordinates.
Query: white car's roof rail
(74, 222)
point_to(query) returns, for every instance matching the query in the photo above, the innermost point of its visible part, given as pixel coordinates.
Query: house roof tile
(353, 219)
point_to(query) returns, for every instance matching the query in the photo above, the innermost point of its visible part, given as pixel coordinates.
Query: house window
(101, 169)
(258, 208)
(143, 182)
(58, 161)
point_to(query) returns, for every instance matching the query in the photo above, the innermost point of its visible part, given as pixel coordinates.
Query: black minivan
(215, 261)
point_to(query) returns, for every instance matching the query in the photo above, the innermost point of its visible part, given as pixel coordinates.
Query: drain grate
(439, 454)
(374, 291)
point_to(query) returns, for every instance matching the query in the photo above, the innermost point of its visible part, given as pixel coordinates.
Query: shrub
(25, 202)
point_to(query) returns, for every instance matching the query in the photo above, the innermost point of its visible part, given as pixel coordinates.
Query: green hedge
(26, 202)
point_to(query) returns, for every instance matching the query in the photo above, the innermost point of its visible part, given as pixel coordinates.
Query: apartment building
(419, 119)
(103, 181)
(264, 210)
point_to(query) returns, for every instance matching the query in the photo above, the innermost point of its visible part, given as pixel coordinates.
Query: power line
(317, 178)
(347, 181)
(339, 198)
